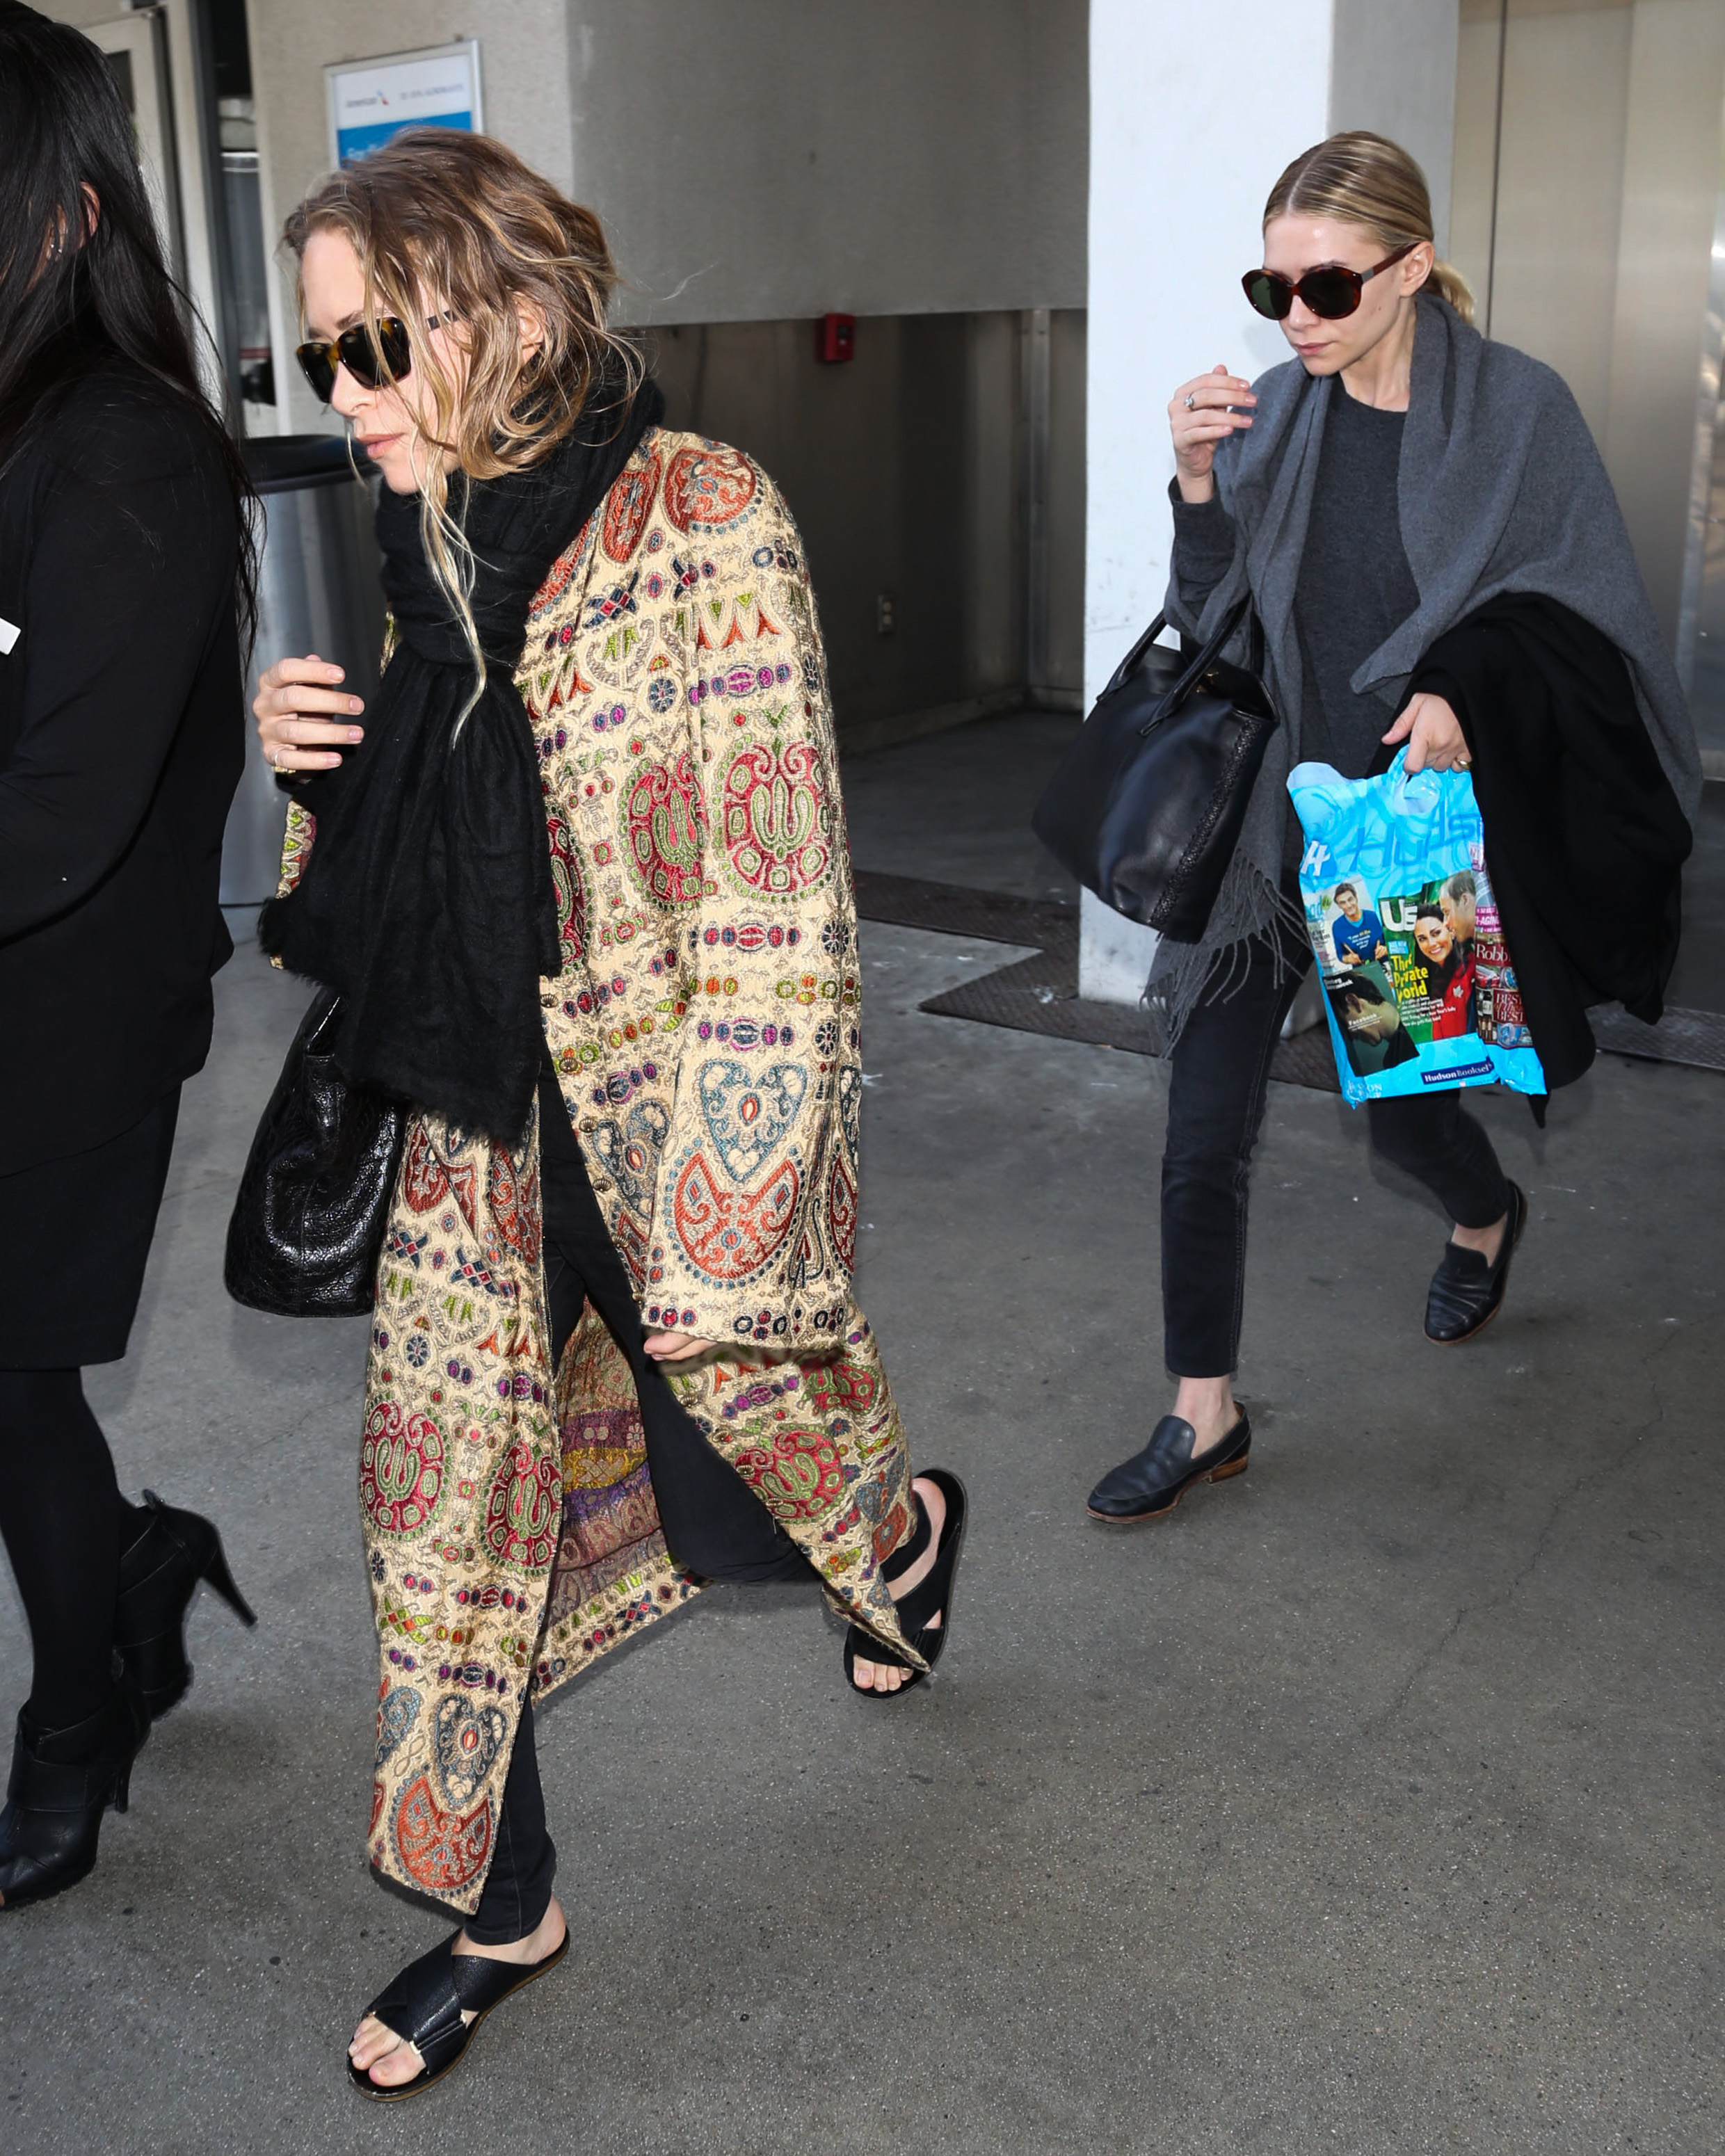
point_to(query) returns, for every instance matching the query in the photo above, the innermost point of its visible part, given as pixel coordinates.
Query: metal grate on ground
(1039, 994)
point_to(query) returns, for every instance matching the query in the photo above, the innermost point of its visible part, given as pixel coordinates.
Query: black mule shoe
(158, 1576)
(1154, 1481)
(1467, 1293)
(62, 1781)
(424, 2005)
(932, 1598)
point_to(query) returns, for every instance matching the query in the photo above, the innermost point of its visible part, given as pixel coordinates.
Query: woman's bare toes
(377, 2049)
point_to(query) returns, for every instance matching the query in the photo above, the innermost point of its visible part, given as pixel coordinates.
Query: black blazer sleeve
(130, 575)
(122, 737)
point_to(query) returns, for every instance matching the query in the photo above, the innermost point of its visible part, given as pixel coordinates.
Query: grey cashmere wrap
(1501, 489)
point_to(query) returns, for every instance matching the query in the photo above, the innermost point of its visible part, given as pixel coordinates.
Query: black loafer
(1467, 1293)
(1154, 1481)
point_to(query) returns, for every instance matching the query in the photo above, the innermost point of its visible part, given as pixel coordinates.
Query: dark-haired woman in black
(125, 580)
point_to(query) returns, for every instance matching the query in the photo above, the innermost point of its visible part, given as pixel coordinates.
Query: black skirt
(74, 1238)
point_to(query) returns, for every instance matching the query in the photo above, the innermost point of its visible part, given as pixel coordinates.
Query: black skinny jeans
(1220, 1069)
(714, 1523)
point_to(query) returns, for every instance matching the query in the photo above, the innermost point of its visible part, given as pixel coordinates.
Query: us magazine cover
(1418, 985)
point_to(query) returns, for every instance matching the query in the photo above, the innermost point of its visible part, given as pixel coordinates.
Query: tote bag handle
(1206, 658)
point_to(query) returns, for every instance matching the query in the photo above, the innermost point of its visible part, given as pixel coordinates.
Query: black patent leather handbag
(1146, 806)
(314, 1201)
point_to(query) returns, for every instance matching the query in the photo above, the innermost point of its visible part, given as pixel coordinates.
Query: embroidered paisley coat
(705, 1030)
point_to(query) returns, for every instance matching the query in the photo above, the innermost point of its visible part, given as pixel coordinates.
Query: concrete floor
(1371, 1803)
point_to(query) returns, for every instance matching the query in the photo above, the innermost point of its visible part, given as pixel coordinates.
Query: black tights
(64, 1524)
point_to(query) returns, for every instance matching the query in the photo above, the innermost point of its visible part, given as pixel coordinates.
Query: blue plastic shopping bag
(1418, 981)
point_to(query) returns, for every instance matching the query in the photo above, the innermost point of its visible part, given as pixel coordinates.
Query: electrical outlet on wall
(884, 614)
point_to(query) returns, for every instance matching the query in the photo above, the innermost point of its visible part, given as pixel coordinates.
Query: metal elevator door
(1587, 194)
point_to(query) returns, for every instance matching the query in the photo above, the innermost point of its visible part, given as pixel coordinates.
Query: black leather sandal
(158, 1576)
(1467, 1293)
(423, 2006)
(932, 1598)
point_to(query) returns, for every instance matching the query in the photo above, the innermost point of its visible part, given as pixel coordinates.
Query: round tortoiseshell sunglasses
(1331, 293)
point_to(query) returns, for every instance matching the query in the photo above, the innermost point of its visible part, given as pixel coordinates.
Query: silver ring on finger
(1191, 400)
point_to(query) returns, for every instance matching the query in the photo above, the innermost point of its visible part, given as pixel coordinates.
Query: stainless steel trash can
(318, 591)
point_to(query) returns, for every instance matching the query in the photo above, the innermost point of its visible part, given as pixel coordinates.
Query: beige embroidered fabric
(705, 1031)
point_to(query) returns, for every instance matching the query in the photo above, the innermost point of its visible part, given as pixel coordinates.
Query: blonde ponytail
(1447, 281)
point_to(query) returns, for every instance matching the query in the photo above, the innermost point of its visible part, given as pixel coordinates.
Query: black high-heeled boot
(158, 1576)
(62, 1781)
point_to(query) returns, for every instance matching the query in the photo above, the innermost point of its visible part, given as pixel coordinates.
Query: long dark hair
(71, 297)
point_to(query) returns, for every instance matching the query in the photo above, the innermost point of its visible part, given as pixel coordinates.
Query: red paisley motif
(798, 1476)
(427, 1179)
(778, 822)
(890, 1532)
(665, 829)
(514, 1201)
(401, 1469)
(440, 1851)
(524, 1511)
(376, 1808)
(424, 1182)
(628, 505)
(729, 1234)
(571, 897)
(841, 1212)
(707, 490)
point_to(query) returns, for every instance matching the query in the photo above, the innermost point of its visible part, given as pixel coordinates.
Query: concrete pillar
(1186, 140)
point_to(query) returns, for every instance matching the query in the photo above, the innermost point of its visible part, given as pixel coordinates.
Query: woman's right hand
(1200, 417)
(301, 711)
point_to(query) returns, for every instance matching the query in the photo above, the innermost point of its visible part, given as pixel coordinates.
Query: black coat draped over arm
(1585, 839)
(122, 737)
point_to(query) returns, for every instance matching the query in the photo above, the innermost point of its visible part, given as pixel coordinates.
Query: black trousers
(714, 1523)
(1220, 1070)
(74, 1238)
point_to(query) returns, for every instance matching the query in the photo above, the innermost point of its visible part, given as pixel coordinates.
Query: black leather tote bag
(308, 1223)
(1146, 806)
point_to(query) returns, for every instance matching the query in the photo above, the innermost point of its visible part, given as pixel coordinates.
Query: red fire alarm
(835, 338)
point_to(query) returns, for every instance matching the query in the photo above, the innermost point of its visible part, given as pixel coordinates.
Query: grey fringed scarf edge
(1250, 909)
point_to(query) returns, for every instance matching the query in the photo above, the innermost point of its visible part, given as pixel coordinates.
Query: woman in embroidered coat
(595, 923)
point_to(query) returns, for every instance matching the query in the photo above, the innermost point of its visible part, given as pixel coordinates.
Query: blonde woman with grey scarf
(1398, 486)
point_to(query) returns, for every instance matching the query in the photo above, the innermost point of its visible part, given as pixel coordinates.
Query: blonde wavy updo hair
(1362, 178)
(445, 220)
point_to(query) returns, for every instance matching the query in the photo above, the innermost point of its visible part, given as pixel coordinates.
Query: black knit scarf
(428, 898)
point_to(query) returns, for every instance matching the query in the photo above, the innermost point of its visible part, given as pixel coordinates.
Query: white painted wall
(1186, 140)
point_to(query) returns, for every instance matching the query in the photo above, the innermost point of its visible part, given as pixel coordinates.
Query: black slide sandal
(933, 1597)
(424, 2004)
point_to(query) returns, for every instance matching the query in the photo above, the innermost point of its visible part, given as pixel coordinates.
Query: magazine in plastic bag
(1418, 985)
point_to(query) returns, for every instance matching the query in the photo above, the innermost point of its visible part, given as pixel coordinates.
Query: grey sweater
(1354, 585)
